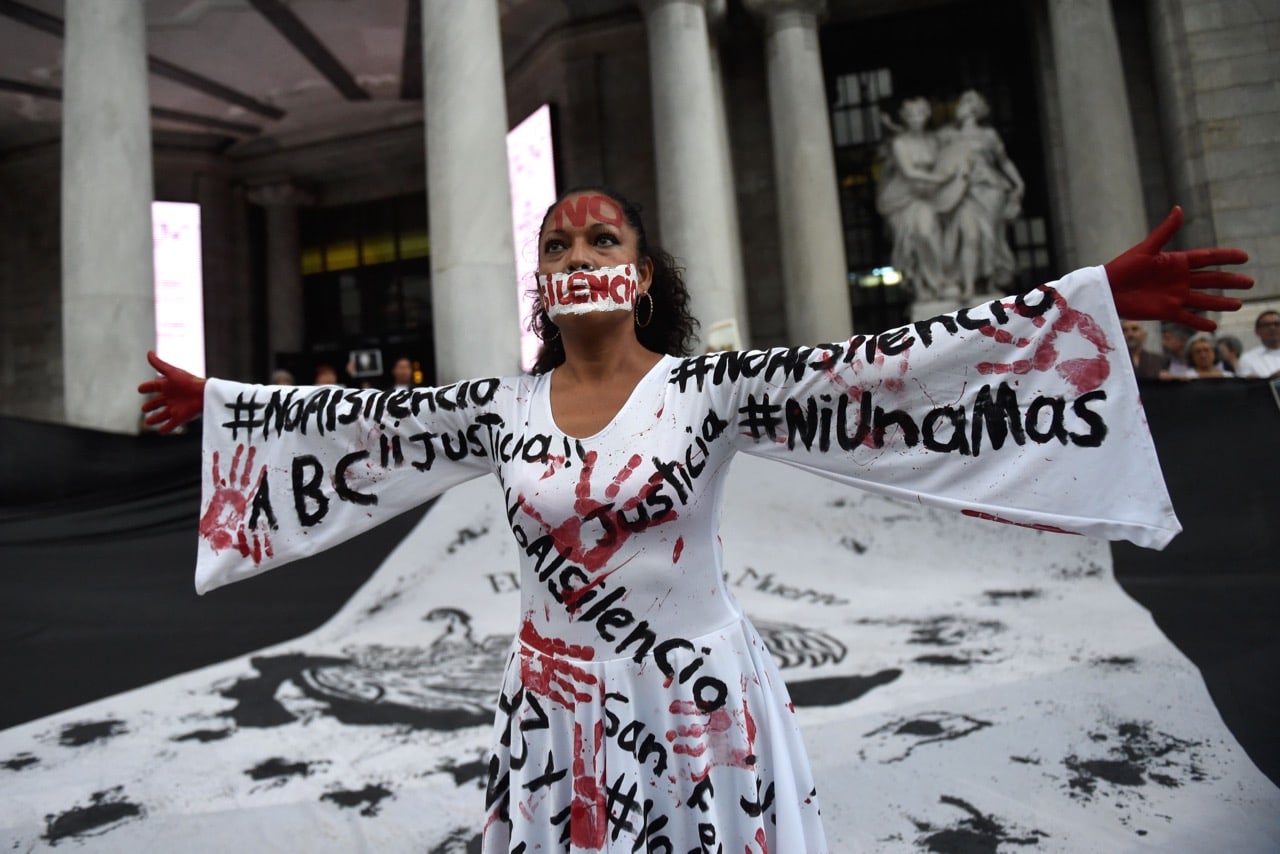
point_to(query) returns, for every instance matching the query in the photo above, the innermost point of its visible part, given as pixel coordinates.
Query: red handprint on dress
(547, 669)
(568, 534)
(226, 522)
(721, 736)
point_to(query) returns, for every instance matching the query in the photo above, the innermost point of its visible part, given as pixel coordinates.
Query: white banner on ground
(961, 686)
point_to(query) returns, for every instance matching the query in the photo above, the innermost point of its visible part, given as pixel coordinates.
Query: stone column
(1104, 189)
(286, 324)
(693, 212)
(1179, 123)
(473, 274)
(814, 270)
(108, 287)
(737, 277)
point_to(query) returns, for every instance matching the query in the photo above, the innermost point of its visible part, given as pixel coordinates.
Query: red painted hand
(1148, 283)
(176, 396)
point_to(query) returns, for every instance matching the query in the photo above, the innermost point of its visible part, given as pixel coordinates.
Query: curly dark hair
(673, 329)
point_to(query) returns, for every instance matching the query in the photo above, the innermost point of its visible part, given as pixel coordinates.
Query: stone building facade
(746, 129)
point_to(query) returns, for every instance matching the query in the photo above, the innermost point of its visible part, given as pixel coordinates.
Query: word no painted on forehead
(582, 291)
(573, 211)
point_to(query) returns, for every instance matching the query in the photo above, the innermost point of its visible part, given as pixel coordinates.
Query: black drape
(97, 557)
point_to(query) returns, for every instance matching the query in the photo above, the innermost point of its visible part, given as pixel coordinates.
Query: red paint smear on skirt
(587, 820)
(678, 550)
(761, 841)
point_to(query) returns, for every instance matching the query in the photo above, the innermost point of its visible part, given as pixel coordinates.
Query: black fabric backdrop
(98, 536)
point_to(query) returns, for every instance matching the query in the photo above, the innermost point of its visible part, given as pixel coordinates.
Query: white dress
(639, 710)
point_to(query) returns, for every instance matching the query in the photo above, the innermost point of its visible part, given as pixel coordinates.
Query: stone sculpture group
(947, 196)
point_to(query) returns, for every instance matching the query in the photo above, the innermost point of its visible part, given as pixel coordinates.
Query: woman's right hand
(176, 396)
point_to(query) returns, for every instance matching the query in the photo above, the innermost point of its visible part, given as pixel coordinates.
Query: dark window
(367, 282)
(871, 67)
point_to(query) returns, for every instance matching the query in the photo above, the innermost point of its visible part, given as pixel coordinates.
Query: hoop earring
(553, 337)
(648, 317)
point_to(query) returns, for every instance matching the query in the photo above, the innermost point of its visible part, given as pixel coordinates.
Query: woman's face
(588, 232)
(1202, 355)
(585, 230)
(1268, 329)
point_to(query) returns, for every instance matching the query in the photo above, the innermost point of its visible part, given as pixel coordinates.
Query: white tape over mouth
(583, 291)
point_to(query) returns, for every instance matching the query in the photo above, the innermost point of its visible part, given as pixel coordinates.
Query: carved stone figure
(947, 198)
(910, 195)
(975, 231)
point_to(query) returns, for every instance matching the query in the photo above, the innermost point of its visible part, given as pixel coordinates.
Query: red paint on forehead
(574, 211)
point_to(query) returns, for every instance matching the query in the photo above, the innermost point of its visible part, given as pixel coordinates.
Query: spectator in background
(1202, 358)
(1264, 360)
(402, 373)
(1173, 340)
(356, 375)
(326, 374)
(1229, 350)
(281, 377)
(1146, 365)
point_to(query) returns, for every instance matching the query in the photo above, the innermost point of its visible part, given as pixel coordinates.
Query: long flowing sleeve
(1023, 410)
(291, 471)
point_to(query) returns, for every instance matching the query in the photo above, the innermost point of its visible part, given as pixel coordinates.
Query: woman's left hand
(1149, 283)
